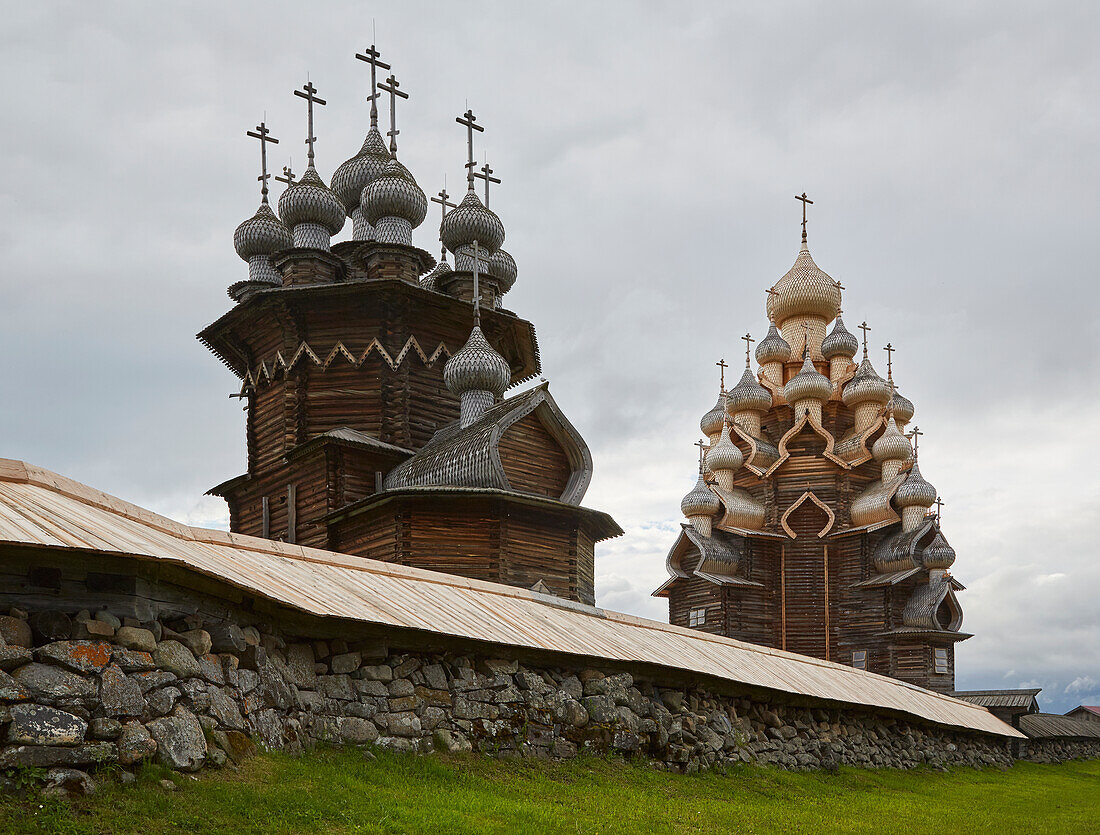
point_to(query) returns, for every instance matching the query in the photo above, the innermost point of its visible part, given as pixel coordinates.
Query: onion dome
(470, 222)
(915, 491)
(261, 234)
(892, 445)
(806, 290)
(310, 201)
(724, 455)
(902, 407)
(477, 367)
(394, 193)
(700, 501)
(773, 348)
(839, 342)
(938, 554)
(355, 174)
(712, 422)
(502, 267)
(748, 395)
(866, 386)
(807, 384)
(431, 279)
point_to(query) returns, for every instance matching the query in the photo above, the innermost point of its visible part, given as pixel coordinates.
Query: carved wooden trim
(809, 494)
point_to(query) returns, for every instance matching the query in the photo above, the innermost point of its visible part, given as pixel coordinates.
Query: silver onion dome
(866, 386)
(470, 222)
(477, 367)
(261, 234)
(748, 395)
(773, 348)
(902, 407)
(700, 501)
(309, 200)
(394, 194)
(807, 384)
(355, 174)
(939, 554)
(839, 342)
(502, 267)
(724, 455)
(431, 279)
(915, 491)
(892, 445)
(711, 423)
(805, 290)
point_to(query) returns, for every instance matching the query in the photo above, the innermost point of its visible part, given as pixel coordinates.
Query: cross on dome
(915, 435)
(486, 174)
(371, 56)
(263, 134)
(309, 93)
(889, 349)
(864, 327)
(390, 85)
(444, 204)
(468, 119)
(804, 200)
(748, 347)
(723, 365)
(288, 176)
(702, 446)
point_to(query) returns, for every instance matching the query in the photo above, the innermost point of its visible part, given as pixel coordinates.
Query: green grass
(340, 791)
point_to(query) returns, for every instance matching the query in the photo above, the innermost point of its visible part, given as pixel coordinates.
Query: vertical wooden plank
(266, 511)
(291, 512)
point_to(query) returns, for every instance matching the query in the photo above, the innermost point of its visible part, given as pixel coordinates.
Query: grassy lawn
(341, 791)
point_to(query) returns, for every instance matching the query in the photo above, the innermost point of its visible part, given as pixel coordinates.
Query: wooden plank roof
(1045, 725)
(41, 508)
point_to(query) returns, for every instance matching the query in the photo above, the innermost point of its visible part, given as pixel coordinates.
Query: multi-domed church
(810, 526)
(374, 379)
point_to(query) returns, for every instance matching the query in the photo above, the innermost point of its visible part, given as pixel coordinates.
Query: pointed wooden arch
(808, 495)
(799, 425)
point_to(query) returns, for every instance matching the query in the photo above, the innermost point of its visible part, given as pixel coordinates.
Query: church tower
(809, 528)
(374, 378)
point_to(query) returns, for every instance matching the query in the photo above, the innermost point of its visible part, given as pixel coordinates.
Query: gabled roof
(470, 456)
(44, 510)
(1046, 725)
(1093, 709)
(1015, 699)
(353, 438)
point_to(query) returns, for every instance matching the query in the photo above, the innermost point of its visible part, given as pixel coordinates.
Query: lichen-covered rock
(78, 656)
(16, 632)
(104, 727)
(132, 660)
(225, 710)
(176, 659)
(136, 638)
(452, 742)
(13, 656)
(120, 695)
(135, 744)
(356, 731)
(33, 724)
(47, 682)
(44, 756)
(61, 782)
(161, 702)
(347, 662)
(196, 640)
(180, 741)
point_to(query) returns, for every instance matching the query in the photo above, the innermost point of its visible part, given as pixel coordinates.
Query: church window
(939, 657)
(697, 617)
(859, 659)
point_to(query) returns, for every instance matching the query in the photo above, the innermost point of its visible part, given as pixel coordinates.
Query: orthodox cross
(701, 446)
(487, 175)
(915, 435)
(394, 94)
(722, 364)
(864, 327)
(288, 176)
(939, 508)
(444, 204)
(804, 200)
(468, 118)
(748, 347)
(371, 57)
(310, 95)
(262, 133)
(889, 349)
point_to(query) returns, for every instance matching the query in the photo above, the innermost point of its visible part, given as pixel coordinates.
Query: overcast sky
(649, 153)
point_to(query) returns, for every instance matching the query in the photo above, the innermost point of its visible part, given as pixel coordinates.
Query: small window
(939, 657)
(859, 659)
(697, 617)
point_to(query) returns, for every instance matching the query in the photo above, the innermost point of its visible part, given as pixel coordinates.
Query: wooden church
(375, 378)
(809, 528)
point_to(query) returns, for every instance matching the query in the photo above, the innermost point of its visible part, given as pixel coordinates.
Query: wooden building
(357, 439)
(809, 526)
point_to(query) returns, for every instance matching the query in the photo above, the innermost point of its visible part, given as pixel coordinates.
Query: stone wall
(1059, 749)
(82, 690)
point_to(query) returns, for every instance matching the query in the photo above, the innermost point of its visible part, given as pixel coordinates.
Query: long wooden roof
(41, 508)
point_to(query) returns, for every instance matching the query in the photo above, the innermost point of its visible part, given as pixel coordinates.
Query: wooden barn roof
(1047, 725)
(42, 509)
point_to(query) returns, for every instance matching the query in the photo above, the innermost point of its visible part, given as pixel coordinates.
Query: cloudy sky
(649, 153)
